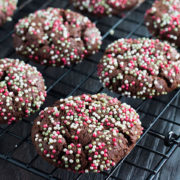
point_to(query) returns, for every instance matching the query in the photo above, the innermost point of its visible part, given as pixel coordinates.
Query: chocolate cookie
(163, 20)
(105, 7)
(22, 90)
(56, 37)
(86, 133)
(7, 8)
(140, 68)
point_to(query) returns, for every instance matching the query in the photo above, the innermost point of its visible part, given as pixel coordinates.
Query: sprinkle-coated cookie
(105, 7)
(56, 37)
(140, 68)
(22, 90)
(7, 8)
(163, 20)
(87, 133)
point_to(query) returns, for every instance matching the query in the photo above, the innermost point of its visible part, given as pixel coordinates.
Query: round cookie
(87, 133)
(7, 8)
(22, 90)
(56, 37)
(105, 7)
(140, 68)
(163, 20)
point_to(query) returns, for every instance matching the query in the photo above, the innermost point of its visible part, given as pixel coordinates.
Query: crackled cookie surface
(105, 7)
(7, 8)
(22, 90)
(86, 133)
(163, 20)
(56, 37)
(140, 68)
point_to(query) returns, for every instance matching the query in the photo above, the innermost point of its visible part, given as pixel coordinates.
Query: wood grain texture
(10, 172)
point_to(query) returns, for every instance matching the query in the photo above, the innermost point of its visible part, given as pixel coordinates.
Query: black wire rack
(159, 116)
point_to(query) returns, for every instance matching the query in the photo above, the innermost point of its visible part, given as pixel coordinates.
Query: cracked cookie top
(163, 20)
(22, 90)
(7, 8)
(56, 37)
(141, 68)
(86, 133)
(105, 7)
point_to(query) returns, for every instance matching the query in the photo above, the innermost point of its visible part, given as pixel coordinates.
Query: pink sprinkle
(133, 83)
(76, 137)
(107, 161)
(96, 153)
(106, 73)
(72, 145)
(105, 155)
(78, 145)
(45, 126)
(6, 93)
(110, 113)
(59, 141)
(115, 144)
(57, 114)
(92, 164)
(54, 151)
(131, 124)
(103, 144)
(141, 84)
(67, 152)
(113, 163)
(45, 151)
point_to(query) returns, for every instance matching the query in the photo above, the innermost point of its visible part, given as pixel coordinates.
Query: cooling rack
(159, 116)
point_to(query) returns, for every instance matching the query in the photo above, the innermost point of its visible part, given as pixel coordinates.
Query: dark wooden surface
(148, 112)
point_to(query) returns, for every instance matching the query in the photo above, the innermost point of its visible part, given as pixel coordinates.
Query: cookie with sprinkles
(22, 90)
(7, 8)
(163, 20)
(140, 68)
(87, 133)
(105, 7)
(56, 37)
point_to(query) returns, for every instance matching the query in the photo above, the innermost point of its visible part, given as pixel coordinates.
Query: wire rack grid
(159, 116)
